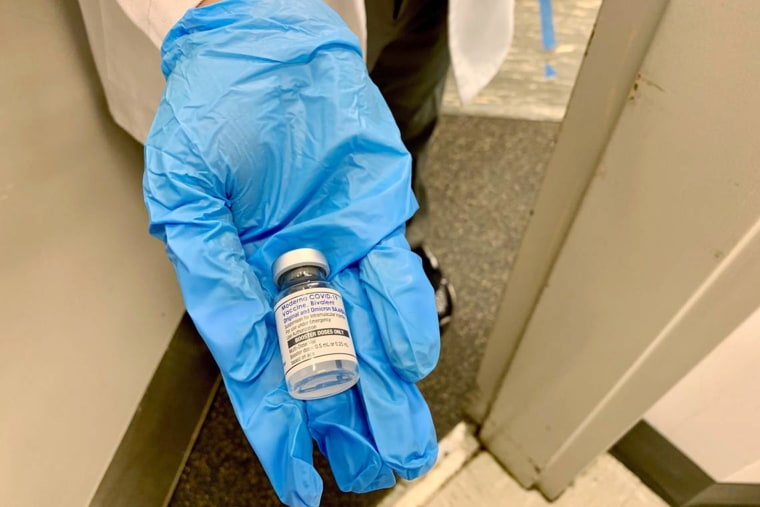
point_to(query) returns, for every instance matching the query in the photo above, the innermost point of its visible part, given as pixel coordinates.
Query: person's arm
(271, 136)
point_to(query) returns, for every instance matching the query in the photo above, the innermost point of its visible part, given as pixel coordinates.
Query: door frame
(609, 79)
(615, 51)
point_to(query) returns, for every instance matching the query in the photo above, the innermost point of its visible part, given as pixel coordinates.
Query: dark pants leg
(408, 59)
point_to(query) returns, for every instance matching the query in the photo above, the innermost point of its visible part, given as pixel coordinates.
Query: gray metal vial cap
(298, 258)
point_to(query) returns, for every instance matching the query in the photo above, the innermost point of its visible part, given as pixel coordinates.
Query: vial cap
(298, 258)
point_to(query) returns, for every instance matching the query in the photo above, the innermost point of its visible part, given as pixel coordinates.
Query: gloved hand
(271, 136)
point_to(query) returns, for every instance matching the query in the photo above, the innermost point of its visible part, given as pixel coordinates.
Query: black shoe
(444, 292)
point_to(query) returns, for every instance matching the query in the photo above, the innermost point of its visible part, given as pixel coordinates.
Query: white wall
(88, 301)
(713, 414)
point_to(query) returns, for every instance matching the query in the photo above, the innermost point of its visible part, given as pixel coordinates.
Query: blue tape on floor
(548, 39)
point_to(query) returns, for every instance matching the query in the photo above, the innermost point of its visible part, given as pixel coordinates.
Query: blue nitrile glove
(271, 136)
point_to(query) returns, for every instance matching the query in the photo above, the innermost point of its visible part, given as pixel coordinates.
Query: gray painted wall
(88, 301)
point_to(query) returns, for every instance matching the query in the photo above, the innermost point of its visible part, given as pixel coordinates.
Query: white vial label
(312, 327)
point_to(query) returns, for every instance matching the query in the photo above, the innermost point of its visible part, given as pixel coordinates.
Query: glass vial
(317, 351)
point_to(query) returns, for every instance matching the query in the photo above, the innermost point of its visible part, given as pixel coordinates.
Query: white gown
(125, 36)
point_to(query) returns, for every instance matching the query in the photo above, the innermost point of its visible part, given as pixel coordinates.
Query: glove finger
(397, 415)
(339, 426)
(187, 207)
(403, 303)
(276, 426)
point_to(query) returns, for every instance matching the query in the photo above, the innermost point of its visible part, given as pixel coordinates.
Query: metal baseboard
(149, 460)
(674, 477)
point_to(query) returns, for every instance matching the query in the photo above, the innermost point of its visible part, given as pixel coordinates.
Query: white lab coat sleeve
(355, 16)
(480, 34)
(156, 17)
(125, 37)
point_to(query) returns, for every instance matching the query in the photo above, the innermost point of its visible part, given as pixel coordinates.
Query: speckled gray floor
(482, 178)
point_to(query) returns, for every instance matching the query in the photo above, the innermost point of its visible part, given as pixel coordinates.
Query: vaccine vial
(317, 351)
